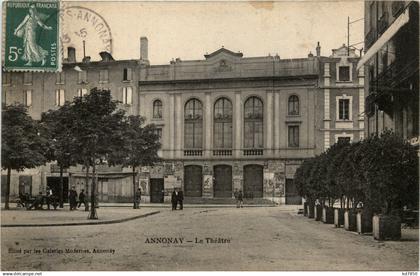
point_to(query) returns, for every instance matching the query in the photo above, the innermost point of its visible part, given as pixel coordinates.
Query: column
(171, 125)
(361, 102)
(178, 125)
(327, 118)
(207, 125)
(276, 122)
(269, 124)
(238, 124)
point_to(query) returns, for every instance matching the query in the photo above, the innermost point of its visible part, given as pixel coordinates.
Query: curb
(81, 223)
(190, 206)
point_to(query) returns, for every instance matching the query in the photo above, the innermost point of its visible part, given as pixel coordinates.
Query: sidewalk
(20, 217)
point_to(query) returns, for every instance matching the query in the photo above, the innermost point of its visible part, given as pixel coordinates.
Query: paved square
(231, 239)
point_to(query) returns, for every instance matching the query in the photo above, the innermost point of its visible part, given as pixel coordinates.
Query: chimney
(71, 54)
(144, 48)
(318, 50)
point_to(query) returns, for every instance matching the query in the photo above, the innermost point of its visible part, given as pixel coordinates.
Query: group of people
(74, 203)
(177, 198)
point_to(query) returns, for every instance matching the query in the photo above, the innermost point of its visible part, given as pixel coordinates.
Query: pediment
(223, 53)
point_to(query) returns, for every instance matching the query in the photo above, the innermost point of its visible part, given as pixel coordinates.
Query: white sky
(190, 29)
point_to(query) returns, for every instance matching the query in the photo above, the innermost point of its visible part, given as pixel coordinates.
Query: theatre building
(226, 121)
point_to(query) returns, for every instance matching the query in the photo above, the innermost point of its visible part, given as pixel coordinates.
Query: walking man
(138, 198)
(82, 199)
(49, 197)
(174, 199)
(241, 199)
(181, 200)
(73, 198)
(235, 194)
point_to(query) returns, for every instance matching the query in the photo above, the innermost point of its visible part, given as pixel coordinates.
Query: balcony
(383, 23)
(370, 38)
(193, 152)
(222, 152)
(253, 152)
(397, 8)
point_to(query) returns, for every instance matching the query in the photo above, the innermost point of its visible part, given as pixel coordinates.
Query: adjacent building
(226, 121)
(391, 65)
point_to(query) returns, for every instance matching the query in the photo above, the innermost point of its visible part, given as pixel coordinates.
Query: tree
(21, 145)
(390, 169)
(57, 128)
(97, 129)
(141, 146)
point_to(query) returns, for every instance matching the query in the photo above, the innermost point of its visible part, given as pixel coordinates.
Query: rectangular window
(3, 97)
(59, 97)
(60, 78)
(343, 109)
(293, 136)
(343, 139)
(127, 95)
(27, 78)
(82, 77)
(81, 92)
(28, 97)
(344, 73)
(7, 78)
(103, 75)
(127, 74)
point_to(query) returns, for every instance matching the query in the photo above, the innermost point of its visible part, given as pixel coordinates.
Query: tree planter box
(364, 222)
(386, 227)
(311, 210)
(338, 217)
(318, 212)
(328, 215)
(350, 220)
(305, 209)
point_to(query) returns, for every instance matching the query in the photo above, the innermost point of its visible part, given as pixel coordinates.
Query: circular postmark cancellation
(85, 30)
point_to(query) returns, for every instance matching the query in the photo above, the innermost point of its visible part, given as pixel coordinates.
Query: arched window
(157, 109)
(253, 119)
(293, 105)
(193, 124)
(222, 123)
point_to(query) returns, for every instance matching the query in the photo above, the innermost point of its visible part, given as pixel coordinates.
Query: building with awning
(391, 66)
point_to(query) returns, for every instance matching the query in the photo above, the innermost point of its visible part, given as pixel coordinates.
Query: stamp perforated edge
(31, 69)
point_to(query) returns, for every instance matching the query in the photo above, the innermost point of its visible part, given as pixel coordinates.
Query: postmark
(32, 36)
(85, 30)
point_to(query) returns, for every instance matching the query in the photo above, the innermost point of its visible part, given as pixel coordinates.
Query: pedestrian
(241, 199)
(73, 198)
(138, 198)
(180, 199)
(82, 199)
(49, 197)
(236, 194)
(174, 199)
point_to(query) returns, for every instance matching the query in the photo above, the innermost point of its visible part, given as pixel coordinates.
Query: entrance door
(253, 181)
(54, 183)
(193, 181)
(292, 197)
(156, 190)
(222, 181)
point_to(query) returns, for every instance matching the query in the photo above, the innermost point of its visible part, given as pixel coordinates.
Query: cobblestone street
(268, 238)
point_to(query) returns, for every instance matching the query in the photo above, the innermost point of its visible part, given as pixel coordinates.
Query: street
(268, 238)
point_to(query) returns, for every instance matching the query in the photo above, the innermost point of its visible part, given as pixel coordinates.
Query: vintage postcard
(210, 136)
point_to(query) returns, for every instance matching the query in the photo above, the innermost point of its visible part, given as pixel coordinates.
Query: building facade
(391, 63)
(226, 122)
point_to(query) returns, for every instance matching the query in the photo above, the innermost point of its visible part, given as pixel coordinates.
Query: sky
(188, 30)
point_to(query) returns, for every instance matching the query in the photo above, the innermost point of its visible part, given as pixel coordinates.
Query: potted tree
(390, 167)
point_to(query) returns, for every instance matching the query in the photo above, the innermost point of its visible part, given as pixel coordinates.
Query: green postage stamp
(32, 36)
